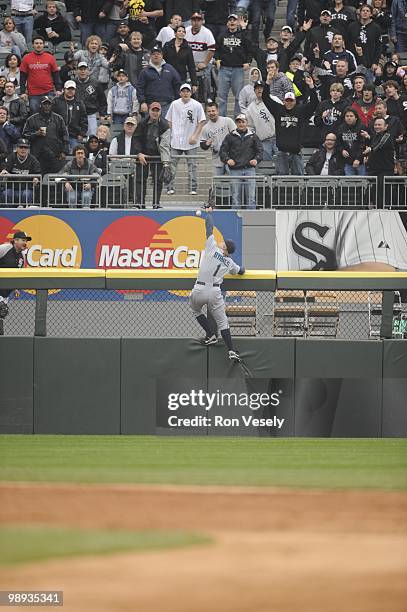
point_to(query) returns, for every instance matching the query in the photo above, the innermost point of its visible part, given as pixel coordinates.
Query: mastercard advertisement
(109, 239)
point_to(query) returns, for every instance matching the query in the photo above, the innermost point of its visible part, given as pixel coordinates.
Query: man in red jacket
(39, 75)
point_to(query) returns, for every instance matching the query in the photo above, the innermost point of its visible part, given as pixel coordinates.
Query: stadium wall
(121, 386)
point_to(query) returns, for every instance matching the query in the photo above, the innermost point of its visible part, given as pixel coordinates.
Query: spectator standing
(185, 8)
(379, 156)
(96, 153)
(338, 52)
(202, 43)
(257, 7)
(282, 51)
(103, 134)
(241, 151)
(135, 58)
(234, 55)
(120, 41)
(48, 136)
(21, 163)
(278, 84)
(68, 70)
(394, 126)
(365, 33)
(290, 121)
(350, 144)
(395, 104)
(73, 112)
(91, 93)
(398, 30)
(186, 119)
(39, 75)
(328, 115)
(52, 26)
(342, 17)
(153, 138)
(320, 36)
(325, 161)
(143, 19)
(9, 133)
(158, 82)
(216, 14)
(11, 70)
(247, 93)
(95, 61)
(262, 121)
(92, 17)
(178, 53)
(359, 81)
(17, 109)
(213, 134)
(10, 40)
(365, 107)
(23, 13)
(122, 99)
(341, 77)
(125, 143)
(167, 33)
(311, 9)
(81, 193)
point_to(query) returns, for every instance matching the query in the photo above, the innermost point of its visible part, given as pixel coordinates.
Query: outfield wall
(121, 386)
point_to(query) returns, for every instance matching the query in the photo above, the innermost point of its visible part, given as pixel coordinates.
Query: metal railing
(74, 191)
(241, 191)
(395, 192)
(17, 190)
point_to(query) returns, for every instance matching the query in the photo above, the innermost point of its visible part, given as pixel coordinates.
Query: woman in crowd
(10, 39)
(104, 137)
(92, 56)
(96, 153)
(11, 70)
(178, 53)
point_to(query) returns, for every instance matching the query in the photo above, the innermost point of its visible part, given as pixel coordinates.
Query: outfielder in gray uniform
(216, 262)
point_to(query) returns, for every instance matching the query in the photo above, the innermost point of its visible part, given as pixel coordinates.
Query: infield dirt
(277, 550)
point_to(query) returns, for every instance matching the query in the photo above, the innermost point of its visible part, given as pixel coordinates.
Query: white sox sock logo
(305, 247)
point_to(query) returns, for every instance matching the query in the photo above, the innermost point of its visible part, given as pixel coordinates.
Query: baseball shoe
(233, 356)
(170, 191)
(210, 340)
(156, 206)
(193, 192)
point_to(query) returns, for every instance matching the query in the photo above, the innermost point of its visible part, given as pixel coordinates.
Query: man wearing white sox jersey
(216, 262)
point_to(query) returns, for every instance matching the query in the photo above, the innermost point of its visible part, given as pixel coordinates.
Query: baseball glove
(165, 175)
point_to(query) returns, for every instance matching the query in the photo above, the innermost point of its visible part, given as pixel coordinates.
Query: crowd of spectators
(161, 72)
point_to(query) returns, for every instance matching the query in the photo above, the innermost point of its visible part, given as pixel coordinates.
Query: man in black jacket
(153, 141)
(48, 136)
(11, 256)
(365, 33)
(91, 93)
(276, 50)
(234, 54)
(290, 120)
(52, 26)
(20, 163)
(73, 112)
(79, 192)
(325, 160)
(379, 156)
(241, 151)
(320, 36)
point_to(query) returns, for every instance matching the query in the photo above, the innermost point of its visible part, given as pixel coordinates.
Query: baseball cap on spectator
(82, 65)
(232, 16)
(132, 120)
(258, 84)
(68, 56)
(196, 15)
(122, 71)
(46, 100)
(69, 84)
(93, 137)
(271, 37)
(185, 86)
(122, 23)
(156, 49)
(241, 116)
(289, 96)
(287, 27)
(155, 105)
(325, 12)
(104, 45)
(21, 235)
(297, 56)
(23, 142)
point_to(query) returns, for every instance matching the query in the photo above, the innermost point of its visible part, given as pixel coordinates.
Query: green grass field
(24, 544)
(289, 462)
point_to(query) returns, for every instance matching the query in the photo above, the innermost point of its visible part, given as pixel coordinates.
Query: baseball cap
(241, 116)
(297, 56)
(287, 27)
(132, 120)
(289, 96)
(21, 235)
(23, 142)
(325, 12)
(69, 84)
(232, 16)
(82, 65)
(121, 71)
(258, 84)
(155, 105)
(196, 15)
(122, 23)
(185, 86)
(46, 100)
(156, 49)
(271, 37)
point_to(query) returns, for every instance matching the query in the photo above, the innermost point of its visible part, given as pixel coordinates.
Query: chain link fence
(346, 315)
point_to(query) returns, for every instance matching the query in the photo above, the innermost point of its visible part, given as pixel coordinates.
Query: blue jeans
(17, 196)
(35, 101)
(84, 197)
(351, 171)
(120, 119)
(73, 142)
(242, 186)
(87, 29)
(269, 149)
(25, 26)
(192, 166)
(106, 29)
(289, 163)
(92, 124)
(401, 44)
(229, 78)
(291, 8)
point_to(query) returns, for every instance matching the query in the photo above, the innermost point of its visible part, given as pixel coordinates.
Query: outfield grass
(24, 544)
(296, 462)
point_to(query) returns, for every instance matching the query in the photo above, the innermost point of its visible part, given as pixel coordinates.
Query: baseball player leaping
(216, 262)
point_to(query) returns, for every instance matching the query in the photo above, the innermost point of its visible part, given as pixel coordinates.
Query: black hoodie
(234, 49)
(349, 138)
